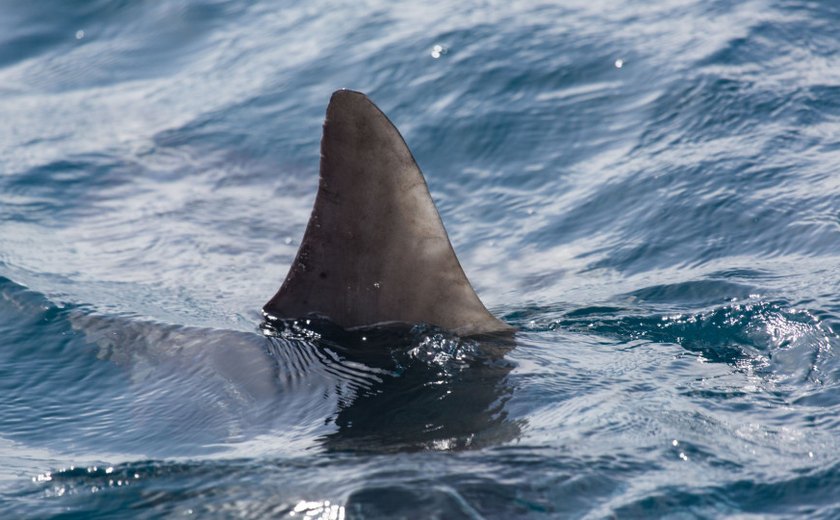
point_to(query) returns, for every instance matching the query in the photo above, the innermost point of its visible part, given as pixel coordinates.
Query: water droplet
(438, 51)
(288, 240)
(80, 34)
(675, 442)
(377, 285)
(619, 63)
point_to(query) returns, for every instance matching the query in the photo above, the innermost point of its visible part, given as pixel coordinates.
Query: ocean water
(648, 190)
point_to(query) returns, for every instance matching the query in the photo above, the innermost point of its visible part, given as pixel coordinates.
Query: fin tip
(345, 94)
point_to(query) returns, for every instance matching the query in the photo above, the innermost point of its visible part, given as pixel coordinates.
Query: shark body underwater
(375, 249)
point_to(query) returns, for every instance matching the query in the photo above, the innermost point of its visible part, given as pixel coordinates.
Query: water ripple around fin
(408, 388)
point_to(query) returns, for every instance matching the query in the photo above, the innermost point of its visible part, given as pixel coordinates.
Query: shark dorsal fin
(375, 249)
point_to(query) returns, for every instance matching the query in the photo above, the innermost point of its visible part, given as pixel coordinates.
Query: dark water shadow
(432, 390)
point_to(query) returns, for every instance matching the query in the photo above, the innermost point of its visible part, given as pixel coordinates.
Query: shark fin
(375, 249)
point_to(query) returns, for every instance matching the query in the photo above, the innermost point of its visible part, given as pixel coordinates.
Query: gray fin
(375, 249)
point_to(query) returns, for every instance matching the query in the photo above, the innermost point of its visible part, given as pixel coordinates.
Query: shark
(374, 320)
(375, 249)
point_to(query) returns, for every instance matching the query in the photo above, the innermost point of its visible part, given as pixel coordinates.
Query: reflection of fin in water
(425, 388)
(448, 395)
(375, 249)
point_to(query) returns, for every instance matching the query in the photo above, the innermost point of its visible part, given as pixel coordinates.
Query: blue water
(648, 190)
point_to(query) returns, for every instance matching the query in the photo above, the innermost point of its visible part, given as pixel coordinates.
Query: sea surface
(648, 190)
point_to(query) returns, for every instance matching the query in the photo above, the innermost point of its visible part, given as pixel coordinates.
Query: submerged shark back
(375, 249)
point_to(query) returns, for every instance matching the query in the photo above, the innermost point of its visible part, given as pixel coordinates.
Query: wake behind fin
(375, 249)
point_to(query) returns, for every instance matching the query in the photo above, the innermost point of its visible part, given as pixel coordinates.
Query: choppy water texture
(649, 190)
